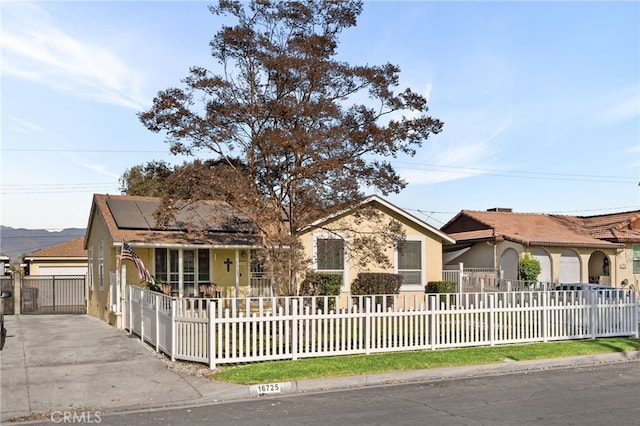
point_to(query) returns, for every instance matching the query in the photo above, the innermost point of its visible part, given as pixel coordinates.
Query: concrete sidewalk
(78, 363)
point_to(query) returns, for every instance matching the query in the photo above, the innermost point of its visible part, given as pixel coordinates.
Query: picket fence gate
(217, 331)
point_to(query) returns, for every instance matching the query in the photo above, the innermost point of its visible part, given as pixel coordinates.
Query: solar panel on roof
(130, 214)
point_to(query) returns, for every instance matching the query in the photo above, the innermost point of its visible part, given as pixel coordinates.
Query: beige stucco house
(221, 255)
(601, 249)
(419, 260)
(68, 258)
(190, 264)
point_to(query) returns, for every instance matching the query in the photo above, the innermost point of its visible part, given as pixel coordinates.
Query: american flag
(130, 254)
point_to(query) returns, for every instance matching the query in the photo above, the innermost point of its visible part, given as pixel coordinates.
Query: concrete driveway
(76, 363)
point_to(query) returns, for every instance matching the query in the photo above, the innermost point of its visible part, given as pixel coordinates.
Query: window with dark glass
(410, 261)
(330, 254)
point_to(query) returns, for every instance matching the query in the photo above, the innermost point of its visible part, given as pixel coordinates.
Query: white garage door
(569, 267)
(545, 264)
(62, 270)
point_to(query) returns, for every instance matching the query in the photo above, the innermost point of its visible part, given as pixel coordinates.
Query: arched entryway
(509, 264)
(569, 267)
(599, 268)
(545, 264)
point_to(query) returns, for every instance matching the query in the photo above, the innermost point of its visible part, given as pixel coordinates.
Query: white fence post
(142, 315)
(367, 325)
(294, 329)
(211, 311)
(173, 329)
(157, 312)
(592, 298)
(491, 319)
(460, 277)
(433, 313)
(130, 315)
(545, 316)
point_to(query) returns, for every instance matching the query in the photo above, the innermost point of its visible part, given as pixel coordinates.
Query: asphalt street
(77, 369)
(586, 396)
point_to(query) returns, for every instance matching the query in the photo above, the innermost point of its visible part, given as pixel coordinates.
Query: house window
(195, 268)
(409, 262)
(90, 265)
(636, 259)
(203, 266)
(101, 265)
(160, 263)
(330, 254)
(189, 271)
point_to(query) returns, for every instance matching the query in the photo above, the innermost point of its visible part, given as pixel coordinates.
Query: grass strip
(338, 366)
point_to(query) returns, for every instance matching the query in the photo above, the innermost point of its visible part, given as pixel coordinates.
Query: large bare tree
(295, 118)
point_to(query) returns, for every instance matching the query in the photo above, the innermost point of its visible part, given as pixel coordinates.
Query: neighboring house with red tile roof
(68, 258)
(600, 249)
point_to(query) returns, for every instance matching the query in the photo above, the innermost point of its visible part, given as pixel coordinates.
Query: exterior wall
(58, 267)
(481, 255)
(622, 269)
(620, 261)
(224, 279)
(431, 251)
(98, 297)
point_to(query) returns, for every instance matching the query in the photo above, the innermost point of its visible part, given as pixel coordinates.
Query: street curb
(446, 373)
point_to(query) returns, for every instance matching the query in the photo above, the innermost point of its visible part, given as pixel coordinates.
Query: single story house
(220, 255)
(68, 258)
(601, 249)
(419, 260)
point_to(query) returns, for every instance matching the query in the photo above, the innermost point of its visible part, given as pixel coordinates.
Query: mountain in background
(17, 242)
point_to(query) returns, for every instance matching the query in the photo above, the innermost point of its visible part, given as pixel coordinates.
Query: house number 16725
(269, 388)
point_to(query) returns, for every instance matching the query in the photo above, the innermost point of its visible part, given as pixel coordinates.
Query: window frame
(171, 269)
(90, 260)
(635, 259)
(423, 264)
(345, 253)
(101, 265)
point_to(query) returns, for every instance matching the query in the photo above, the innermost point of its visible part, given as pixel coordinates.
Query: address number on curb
(268, 388)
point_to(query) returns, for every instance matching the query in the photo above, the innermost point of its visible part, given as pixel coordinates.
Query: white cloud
(625, 105)
(444, 160)
(23, 126)
(35, 49)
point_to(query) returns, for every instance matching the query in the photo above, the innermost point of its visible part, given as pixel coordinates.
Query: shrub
(316, 284)
(529, 268)
(368, 283)
(442, 287)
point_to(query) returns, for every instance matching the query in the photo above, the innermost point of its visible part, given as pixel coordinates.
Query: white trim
(385, 203)
(423, 264)
(327, 235)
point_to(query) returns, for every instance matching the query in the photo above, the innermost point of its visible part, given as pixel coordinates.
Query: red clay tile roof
(535, 229)
(72, 248)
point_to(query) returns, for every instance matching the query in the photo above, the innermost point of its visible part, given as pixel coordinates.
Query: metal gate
(6, 284)
(53, 294)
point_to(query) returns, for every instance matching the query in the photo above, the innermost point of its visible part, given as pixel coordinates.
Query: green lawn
(313, 368)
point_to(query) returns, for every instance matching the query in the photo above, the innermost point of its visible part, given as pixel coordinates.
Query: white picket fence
(217, 331)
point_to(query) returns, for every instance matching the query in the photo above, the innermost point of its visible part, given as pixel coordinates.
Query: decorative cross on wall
(228, 262)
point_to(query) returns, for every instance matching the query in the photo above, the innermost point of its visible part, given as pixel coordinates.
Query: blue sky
(540, 100)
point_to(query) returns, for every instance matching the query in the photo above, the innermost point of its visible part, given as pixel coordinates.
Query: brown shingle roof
(535, 229)
(72, 248)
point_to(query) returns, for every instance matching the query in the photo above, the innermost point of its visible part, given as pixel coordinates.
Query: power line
(113, 151)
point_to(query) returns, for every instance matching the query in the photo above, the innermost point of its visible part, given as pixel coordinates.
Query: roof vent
(501, 210)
